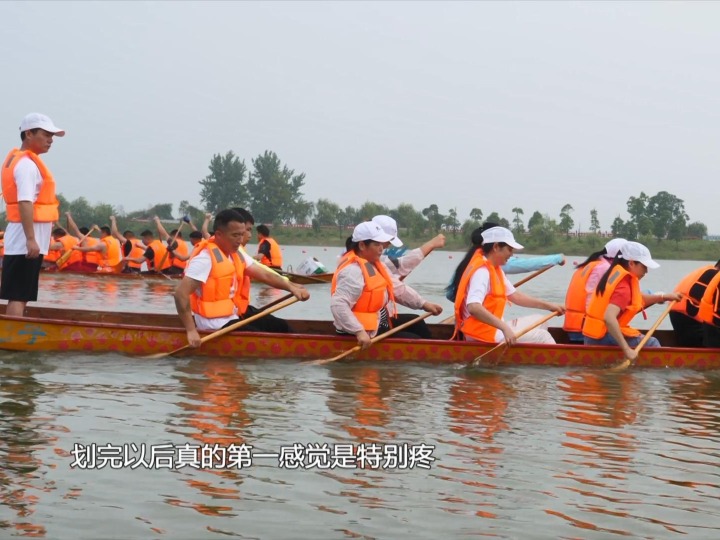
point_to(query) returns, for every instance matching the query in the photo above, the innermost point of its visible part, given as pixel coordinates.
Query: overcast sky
(468, 104)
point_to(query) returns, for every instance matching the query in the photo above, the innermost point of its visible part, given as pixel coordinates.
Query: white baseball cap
(389, 225)
(37, 120)
(635, 251)
(613, 246)
(500, 234)
(368, 230)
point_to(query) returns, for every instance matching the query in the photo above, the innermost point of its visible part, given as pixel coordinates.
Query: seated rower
(685, 317)
(209, 296)
(155, 254)
(109, 250)
(268, 251)
(91, 258)
(362, 291)
(178, 252)
(481, 291)
(617, 299)
(61, 243)
(132, 248)
(514, 265)
(582, 286)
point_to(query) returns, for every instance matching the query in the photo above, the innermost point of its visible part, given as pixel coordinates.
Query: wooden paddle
(65, 256)
(290, 275)
(167, 252)
(228, 329)
(627, 362)
(372, 341)
(540, 322)
(535, 274)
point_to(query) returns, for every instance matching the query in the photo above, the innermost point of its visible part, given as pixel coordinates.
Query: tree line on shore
(273, 193)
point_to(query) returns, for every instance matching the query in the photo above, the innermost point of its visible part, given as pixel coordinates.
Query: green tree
(196, 215)
(476, 215)
(617, 228)
(434, 217)
(274, 189)
(566, 222)
(637, 208)
(225, 186)
(665, 209)
(407, 217)
(543, 233)
(518, 227)
(594, 222)
(536, 220)
(301, 211)
(696, 230)
(369, 210)
(677, 229)
(495, 218)
(326, 213)
(451, 221)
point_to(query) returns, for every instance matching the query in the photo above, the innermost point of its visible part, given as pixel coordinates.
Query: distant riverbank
(691, 250)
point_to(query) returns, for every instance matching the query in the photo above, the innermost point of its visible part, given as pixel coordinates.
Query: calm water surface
(518, 453)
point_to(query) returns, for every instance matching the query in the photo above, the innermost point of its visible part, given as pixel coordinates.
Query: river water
(117, 447)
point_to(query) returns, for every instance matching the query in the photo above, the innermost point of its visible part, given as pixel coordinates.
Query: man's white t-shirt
(198, 268)
(28, 180)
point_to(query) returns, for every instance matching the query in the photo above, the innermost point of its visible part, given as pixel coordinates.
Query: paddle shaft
(627, 362)
(230, 328)
(372, 341)
(65, 256)
(535, 274)
(522, 332)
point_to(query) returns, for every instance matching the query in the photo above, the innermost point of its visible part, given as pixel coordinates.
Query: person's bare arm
(182, 304)
(26, 219)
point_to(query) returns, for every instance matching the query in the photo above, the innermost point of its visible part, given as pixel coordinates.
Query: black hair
(349, 244)
(105, 229)
(263, 229)
(592, 257)
(174, 232)
(247, 216)
(196, 234)
(618, 260)
(33, 131)
(59, 232)
(84, 230)
(146, 232)
(476, 240)
(225, 217)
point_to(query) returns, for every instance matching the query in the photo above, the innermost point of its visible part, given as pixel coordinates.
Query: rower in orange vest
(685, 314)
(179, 253)
(269, 252)
(710, 313)
(154, 254)
(109, 251)
(132, 247)
(61, 243)
(90, 259)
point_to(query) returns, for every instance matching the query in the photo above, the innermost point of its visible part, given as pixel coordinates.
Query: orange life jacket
(52, 254)
(159, 251)
(75, 256)
(709, 304)
(45, 207)
(494, 301)
(182, 249)
(576, 298)
(220, 295)
(136, 251)
(275, 260)
(693, 287)
(376, 294)
(594, 325)
(91, 257)
(110, 261)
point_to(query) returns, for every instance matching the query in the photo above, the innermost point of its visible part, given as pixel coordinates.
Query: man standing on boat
(28, 187)
(210, 296)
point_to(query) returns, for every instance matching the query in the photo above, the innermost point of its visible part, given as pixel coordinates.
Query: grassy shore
(693, 250)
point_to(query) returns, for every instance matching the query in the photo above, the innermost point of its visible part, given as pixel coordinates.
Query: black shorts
(20, 277)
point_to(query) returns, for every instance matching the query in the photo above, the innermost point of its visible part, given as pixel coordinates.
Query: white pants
(536, 335)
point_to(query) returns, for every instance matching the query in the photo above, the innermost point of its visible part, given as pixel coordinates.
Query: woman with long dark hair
(481, 291)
